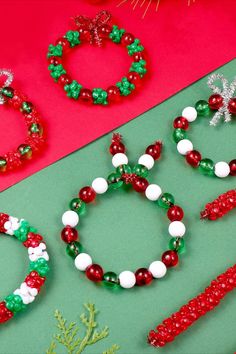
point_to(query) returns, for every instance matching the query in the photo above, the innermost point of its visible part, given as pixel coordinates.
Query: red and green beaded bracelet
(136, 177)
(38, 268)
(35, 140)
(223, 102)
(95, 31)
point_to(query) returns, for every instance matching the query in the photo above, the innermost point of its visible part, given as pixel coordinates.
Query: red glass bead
(5, 314)
(170, 258)
(232, 105)
(193, 158)
(134, 78)
(105, 30)
(94, 272)
(232, 166)
(54, 60)
(3, 218)
(181, 123)
(33, 240)
(215, 101)
(175, 213)
(140, 184)
(84, 34)
(64, 80)
(86, 95)
(127, 39)
(34, 280)
(154, 150)
(143, 277)
(113, 94)
(117, 147)
(64, 43)
(69, 234)
(87, 194)
(138, 56)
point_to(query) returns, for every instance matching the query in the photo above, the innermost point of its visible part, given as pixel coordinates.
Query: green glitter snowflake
(73, 38)
(135, 47)
(73, 89)
(99, 96)
(125, 87)
(56, 71)
(139, 67)
(116, 34)
(54, 50)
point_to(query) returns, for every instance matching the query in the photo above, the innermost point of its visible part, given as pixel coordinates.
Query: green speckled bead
(25, 151)
(41, 266)
(56, 71)
(123, 169)
(7, 92)
(135, 47)
(26, 107)
(54, 50)
(78, 206)
(99, 96)
(125, 86)
(3, 164)
(140, 170)
(73, 249)
(206, 167)
(177, 244)
(202, 108)
(166, 200)
(73, 38)
(14, 303)
(110, 280)
(179, 134)
(36, 129)
(139, 67)
(73, 89)
(114, 181)
(116, 34)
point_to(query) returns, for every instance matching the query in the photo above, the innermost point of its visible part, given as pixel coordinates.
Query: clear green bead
(36, 129)
(114, 181)
(7, 92)
(78, 206)
(206, 166)
(140, 170)
(177, 244)
(26, 107)
(73, 249)
(179, 134)
(166, 200)
(110, 280)
(123, 169)
(202, 108)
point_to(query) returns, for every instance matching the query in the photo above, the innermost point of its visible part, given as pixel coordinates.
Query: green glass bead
(179, 134)
(3, 164)
(110, 280)
(177, 244)
(140, 170)
(25, 151)
(14, 303)
(78, 206)
(36, 129)
(114, 181)
(202, 108)
(206, 166)
(166, 200)
(73, 249)
(7, 92)
(26, 107)
(123, 169)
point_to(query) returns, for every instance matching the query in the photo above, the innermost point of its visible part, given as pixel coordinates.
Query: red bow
(93, 25)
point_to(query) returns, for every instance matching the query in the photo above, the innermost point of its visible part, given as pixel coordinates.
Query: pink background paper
(183, 44)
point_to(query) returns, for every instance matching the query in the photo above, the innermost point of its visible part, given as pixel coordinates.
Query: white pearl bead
(119, 159)
(184, 146)
(222, 169)
(147, 161)
(100, 185)
(70, 218)
(158, 269)
(153, 192)
(127, 279)
(83, 261)
(189, 113)
(177, 229)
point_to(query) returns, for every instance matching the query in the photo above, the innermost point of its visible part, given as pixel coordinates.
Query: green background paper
(126, 231)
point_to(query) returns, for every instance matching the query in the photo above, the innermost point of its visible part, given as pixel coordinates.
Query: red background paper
(183, 44)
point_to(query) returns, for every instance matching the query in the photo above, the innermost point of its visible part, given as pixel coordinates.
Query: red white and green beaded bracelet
(34, 141)
(224, 103)
(38, 256)
(136, 177)
(95, 31)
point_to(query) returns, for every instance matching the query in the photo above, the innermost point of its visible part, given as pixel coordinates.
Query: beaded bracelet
(224, 103)
(136, 177)
(95, 31)
(34, 142)
(220, 206)
(38, 267)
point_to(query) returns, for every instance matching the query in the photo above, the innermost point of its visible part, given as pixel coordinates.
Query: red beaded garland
(87, 194)
(170, 258)
(193, 158)
(69, 234)
(143, 276)
(94, 272)
(220, 206)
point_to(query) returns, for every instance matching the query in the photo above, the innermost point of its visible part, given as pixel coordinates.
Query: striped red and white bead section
(38, 256)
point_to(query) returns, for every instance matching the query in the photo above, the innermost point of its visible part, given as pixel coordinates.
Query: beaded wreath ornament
(224, 103)
(34, 141)
(38, 267)
(134, 176)
(95, 31)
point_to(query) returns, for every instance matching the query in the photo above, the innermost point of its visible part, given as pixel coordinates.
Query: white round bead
(100, 185)
(119, 159)
(153, 192)
(127, 279)
(189, 113)
(177, 229)
(158, 269)
(184, 146)
(222, 169)
(147, 161)
(83, 261)
(70, 218)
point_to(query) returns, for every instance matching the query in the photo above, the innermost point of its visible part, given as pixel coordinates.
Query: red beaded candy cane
(197, 307)
(220, 206)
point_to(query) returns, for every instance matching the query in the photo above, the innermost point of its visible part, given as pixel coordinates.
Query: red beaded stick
(220, 206)
(197, 307)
